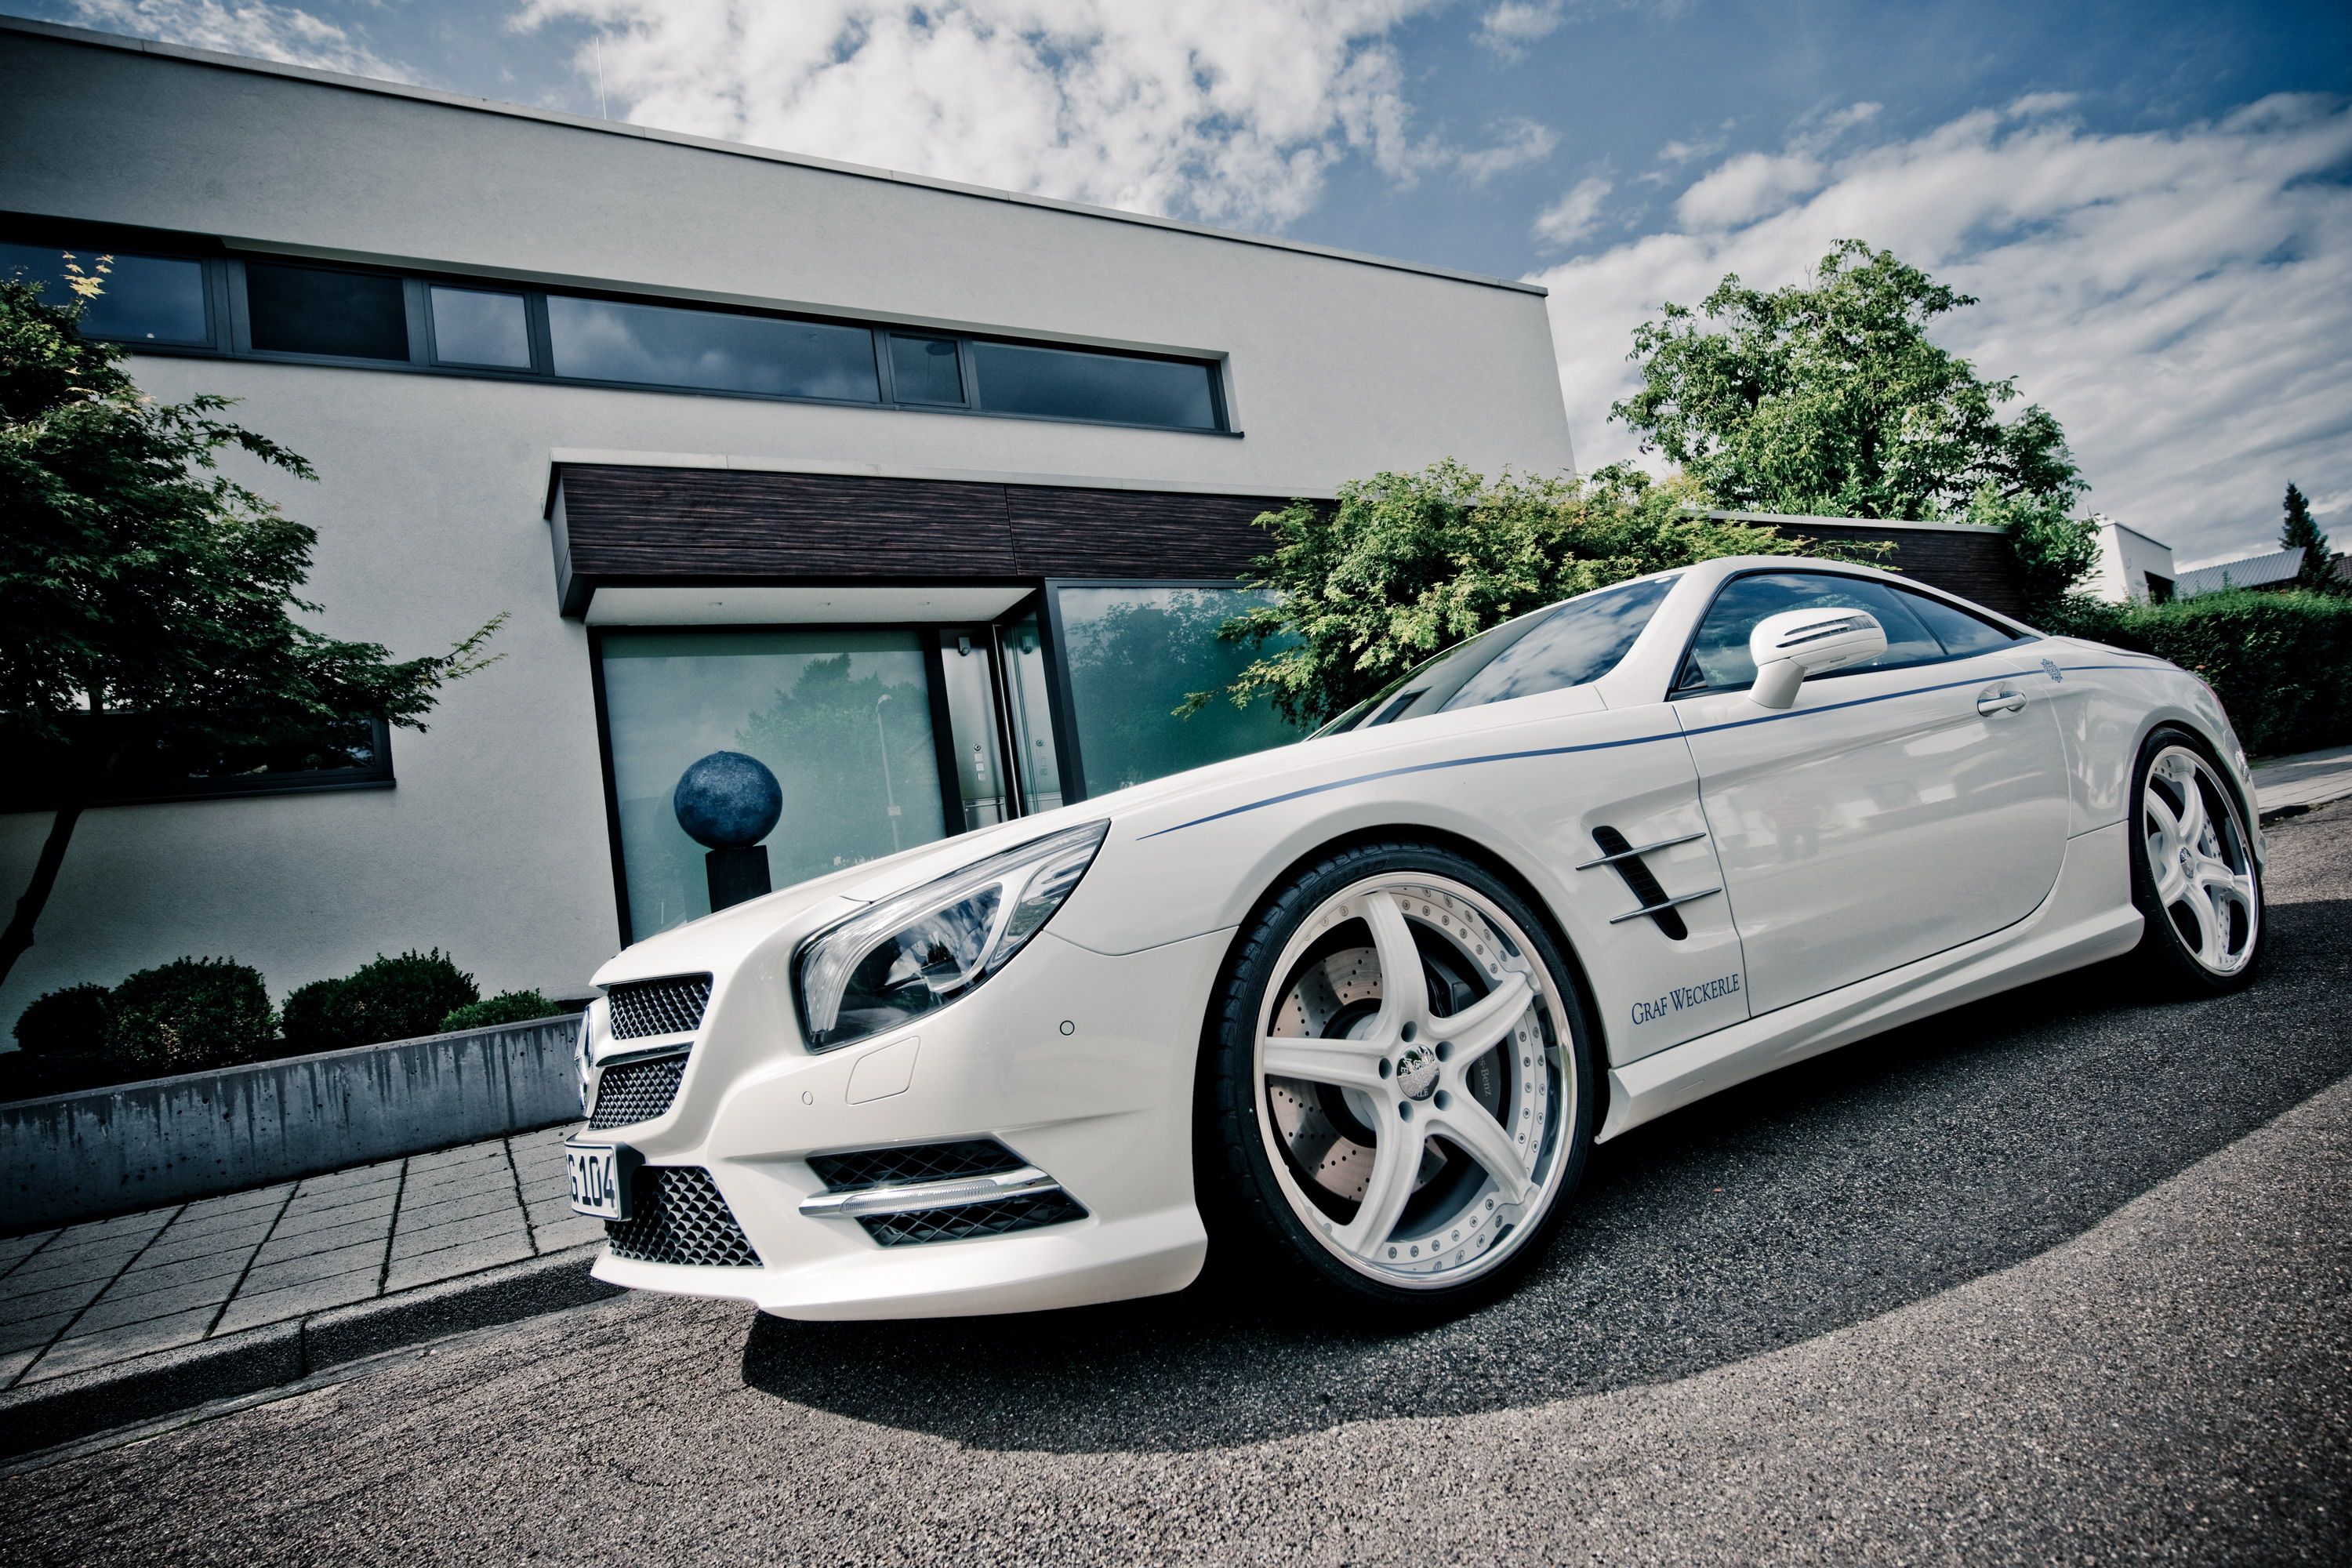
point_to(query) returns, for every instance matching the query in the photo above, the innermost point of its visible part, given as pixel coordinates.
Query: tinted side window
(142, 299)
(314, 311)
(659, 345)
(1070, 383)
(1718, 656)
(1961, 632)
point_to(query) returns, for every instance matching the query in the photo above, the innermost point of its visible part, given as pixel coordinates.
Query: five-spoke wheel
(2195, 874)
(1409, 1067)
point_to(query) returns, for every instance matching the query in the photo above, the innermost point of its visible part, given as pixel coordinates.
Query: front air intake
(676, 1216)
(957, 1191)
(631, 1092)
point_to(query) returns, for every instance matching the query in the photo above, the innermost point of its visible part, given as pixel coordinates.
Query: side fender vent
(1640, 881)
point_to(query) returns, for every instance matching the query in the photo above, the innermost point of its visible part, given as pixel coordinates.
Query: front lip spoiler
(919, 1198)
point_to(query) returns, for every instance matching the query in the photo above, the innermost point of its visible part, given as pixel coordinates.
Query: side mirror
(1794, 644)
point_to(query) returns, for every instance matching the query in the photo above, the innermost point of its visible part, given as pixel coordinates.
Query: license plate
(599, 1186)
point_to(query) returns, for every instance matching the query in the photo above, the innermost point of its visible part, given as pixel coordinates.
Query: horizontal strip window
(274, 309)
(129, 758)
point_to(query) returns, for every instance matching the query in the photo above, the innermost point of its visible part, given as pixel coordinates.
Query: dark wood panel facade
(625, 526)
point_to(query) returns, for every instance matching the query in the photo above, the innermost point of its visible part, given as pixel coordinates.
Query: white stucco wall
(428, 505)
(2126, 558)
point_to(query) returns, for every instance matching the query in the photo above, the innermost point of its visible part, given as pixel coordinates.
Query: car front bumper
(1080, 1063)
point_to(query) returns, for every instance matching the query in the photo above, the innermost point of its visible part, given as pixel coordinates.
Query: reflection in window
(1959, 632)
(1718, 657)
(843, 717)
(165, 757)
(320, 310)
(478, 326)
(1571, 644)
(1135, 654)
(923, 370)
(143, 298)
(600, 340)
(1069, 383)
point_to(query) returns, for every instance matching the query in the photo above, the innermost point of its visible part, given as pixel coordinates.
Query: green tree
(1406, 564)
(2301, 531)
(830, 740)
(135, 579)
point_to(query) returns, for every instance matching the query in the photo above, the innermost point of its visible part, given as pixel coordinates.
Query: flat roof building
(928, 496)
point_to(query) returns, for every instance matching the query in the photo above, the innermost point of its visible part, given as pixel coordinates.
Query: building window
(924, 370)
(142, 298)
(842, 716)
(655, 345)
(449, 325)
(1073, 384)
(1133, 653)
(164, 759)
(326, 311)
(480, 327)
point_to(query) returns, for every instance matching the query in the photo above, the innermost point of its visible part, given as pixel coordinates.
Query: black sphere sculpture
(729, 801)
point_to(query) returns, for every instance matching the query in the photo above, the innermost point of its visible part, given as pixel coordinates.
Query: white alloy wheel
(2200, 860)
(1412, 1081)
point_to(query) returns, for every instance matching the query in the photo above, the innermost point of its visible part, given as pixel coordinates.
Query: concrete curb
(60, 1410)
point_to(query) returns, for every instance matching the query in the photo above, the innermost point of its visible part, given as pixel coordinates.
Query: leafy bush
(191, 1015)
(71, 1022)
(383, 999)
(506, 1007)
(1406, 564)
(311, 1020)
(2280, 661)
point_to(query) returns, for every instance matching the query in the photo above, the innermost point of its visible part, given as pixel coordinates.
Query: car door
(1901, 807)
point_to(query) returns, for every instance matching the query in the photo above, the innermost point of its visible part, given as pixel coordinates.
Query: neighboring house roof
(2253, 572)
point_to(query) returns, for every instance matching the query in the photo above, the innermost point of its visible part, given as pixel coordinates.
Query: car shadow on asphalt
(1821, 1196)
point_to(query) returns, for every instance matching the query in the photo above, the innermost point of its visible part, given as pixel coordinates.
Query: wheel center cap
(1416, 1072)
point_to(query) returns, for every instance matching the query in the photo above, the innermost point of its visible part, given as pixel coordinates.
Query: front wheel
(2194, 872)
(1398, 1082)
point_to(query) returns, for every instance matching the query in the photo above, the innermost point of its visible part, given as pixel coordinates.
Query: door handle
(2001, 701)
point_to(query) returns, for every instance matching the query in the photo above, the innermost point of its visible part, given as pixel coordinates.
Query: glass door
(970, 686)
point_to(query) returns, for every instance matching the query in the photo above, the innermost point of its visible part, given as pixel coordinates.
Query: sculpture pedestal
(736, 874)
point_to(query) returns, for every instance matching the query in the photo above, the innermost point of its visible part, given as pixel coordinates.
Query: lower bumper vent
(636, 1091)
(938, 1192)
(677, 1216)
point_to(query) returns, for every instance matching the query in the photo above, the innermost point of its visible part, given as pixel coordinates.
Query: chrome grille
(913, 1163)
(973, 1219)
(677, 1216)
(636, 1091)
(672, 1006)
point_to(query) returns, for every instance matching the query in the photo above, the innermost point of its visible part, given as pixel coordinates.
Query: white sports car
(1362, 1006)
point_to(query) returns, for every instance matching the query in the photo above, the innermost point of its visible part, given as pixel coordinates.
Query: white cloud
(2179, 298)
(1525, 141)
(283, 33)
(1229, 110)
(1570, 218)
(1508, 28)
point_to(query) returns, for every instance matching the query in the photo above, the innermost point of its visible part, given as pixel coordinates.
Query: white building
(852, 470)
(2132, 568)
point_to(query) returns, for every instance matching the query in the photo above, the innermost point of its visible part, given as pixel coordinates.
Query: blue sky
(2154, 201)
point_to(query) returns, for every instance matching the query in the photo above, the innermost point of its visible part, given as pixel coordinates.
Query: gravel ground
(2058, 1278)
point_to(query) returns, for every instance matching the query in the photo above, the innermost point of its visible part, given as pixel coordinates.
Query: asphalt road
(2060, 1277)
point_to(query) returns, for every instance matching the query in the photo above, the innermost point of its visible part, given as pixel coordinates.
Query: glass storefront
(842, 715)
(1134, 653)
(883, 739)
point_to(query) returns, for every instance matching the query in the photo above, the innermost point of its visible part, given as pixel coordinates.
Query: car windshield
(1569, 644)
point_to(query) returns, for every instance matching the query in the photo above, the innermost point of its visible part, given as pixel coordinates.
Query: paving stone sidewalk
(2306, 779)
(96, 1294)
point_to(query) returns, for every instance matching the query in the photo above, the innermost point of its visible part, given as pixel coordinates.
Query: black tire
(1255, 1239)
(2166, 958)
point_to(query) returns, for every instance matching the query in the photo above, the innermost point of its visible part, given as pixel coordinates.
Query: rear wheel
(1398, 1090)
(2194, 874)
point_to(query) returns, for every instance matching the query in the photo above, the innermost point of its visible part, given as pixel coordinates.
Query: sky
(2151, 201)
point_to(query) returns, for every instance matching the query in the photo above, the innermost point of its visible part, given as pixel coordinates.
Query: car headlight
(915, 954)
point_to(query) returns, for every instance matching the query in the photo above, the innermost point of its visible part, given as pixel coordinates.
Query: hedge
(191, 1015)
(2280, 661)
(383, 999)
(506, 1007)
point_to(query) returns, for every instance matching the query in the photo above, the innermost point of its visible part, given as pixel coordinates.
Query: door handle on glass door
(2000, 701)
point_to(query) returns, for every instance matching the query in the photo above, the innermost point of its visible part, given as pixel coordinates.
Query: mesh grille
(975, 1219)
(636, 1091)
(914, 1163)
(680, 1218)
(673, 1006)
